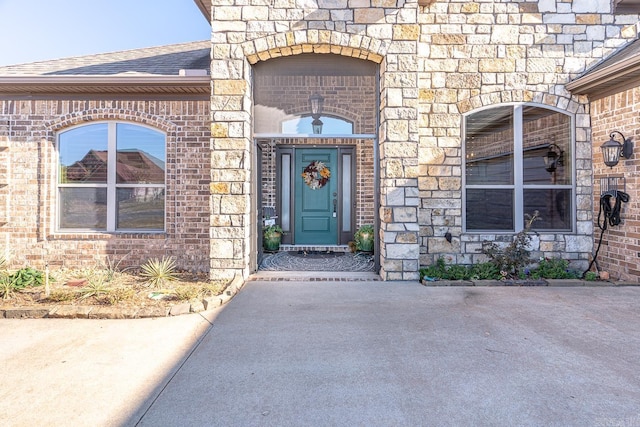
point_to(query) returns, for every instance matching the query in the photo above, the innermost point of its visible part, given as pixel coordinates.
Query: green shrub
(512, 259)
(485, 271)
(440, 270)
(435, 271)
(590, 276)
(458, 272)
(553, 268)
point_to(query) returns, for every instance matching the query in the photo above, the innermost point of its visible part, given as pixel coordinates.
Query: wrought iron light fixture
(317, 103)
(316, 124)
(553, 158)
(612, 150)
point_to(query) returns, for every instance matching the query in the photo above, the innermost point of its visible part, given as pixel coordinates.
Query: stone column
(399, 198)
(231, 147)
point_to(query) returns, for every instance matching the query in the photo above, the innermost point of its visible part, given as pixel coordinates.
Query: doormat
(316, 254)
(334, 261)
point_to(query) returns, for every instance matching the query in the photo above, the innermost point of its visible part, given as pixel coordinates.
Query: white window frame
(518, 185)
(111, 185)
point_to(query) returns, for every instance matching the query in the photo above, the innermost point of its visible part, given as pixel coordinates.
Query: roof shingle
(162, 60)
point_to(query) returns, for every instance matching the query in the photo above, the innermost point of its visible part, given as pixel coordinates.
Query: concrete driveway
(345, 354)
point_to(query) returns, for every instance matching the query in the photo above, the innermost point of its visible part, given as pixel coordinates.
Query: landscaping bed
(111, 294)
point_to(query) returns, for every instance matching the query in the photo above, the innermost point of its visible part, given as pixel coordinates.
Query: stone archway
(396, 153)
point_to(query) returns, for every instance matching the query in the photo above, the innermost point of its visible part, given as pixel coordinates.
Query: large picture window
(111, 178)
(518, 160)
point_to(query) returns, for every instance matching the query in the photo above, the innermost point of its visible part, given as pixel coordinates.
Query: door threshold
(315, 276)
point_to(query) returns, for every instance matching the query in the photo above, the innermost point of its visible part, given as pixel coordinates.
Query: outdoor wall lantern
(553, 158)
(317, 102)
(316, 124)
(612, 150)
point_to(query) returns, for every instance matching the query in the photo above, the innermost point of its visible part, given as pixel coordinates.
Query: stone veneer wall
(29, 130)
(621, 244)
(480, 54)
(245, 34)
(437, 62)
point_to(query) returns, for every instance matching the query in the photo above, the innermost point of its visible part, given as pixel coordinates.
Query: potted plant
(272, 236)
(364, 238)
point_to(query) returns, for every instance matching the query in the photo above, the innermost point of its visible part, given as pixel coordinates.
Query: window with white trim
(111, 177)
(518, 160)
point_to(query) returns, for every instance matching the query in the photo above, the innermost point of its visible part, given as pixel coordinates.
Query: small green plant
(95, 288)
(590, 276)
(272, 237)
(272, 231)
(111, 268)
(27, 277)
(364, 238)
(434, 271)
(158, 272)
(7, 288)
(440, 270)
(553, 268)
(511, 259)
(458, 272)
(485, 271)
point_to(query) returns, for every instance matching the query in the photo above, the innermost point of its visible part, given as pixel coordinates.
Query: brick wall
(620, 250)
(30, 235)
(364, 195)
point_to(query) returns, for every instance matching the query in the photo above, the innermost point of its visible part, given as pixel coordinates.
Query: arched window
(329, 126)
(336, 92)
(111, 177)
(518, 161)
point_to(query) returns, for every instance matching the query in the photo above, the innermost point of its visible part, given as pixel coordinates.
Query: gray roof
(161, 60)
(138, 73)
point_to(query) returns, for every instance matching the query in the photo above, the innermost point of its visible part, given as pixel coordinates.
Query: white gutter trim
(75, 80)
(592, 80)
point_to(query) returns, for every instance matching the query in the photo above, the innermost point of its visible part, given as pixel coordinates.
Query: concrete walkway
(289, 353)
(86, 372)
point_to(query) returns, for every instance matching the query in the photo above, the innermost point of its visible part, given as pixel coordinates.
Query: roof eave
(50, 85)
(591, 83)
(205, 8)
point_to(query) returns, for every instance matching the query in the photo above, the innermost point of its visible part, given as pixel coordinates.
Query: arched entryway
(315, 125)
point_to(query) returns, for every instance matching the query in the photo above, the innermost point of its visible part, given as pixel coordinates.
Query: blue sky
(48, 29)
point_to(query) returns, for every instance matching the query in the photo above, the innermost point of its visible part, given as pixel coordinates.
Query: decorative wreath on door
(316, 175)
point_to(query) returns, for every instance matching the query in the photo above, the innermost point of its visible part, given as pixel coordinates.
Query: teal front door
(316, 216)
